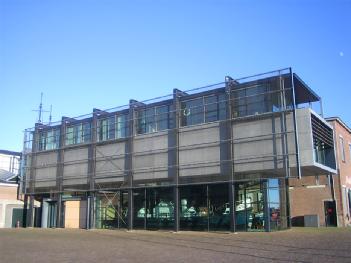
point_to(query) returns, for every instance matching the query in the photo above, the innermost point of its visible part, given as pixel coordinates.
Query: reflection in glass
(111, 210)
(159, 208)
(249, 207)
(193, 208)
(219, 208)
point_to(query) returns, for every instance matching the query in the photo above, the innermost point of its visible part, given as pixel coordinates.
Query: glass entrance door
(52, 210)
(249, 207)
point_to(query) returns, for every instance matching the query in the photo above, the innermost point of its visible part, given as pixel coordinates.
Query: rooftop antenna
(50, 117)
(40, 110)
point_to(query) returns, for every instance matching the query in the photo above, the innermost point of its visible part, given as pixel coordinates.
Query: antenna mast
(41, 111)
(40, 107)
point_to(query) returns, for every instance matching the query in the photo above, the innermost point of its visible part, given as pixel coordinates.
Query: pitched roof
(6, 176)
(338, 119)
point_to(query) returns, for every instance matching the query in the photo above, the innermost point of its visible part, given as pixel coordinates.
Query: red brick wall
(343, 179)
(307, 196)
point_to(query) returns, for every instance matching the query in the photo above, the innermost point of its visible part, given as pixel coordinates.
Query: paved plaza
(64, 245)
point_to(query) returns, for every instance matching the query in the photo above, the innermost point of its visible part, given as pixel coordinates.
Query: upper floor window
(113, 127)
(256, 99)
(203, 109)
(342, 150)
(350, 150)
(153, 119)
(48, 139)
(78, 133)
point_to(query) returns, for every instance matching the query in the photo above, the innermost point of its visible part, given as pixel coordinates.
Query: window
(49, 139)
(153, 119)
(204, 109)
(192, 112)
(350, 150)
(256, 99)
(122, 126)
(113, 127)
(215, 108)
(79, 133)
(342, 150)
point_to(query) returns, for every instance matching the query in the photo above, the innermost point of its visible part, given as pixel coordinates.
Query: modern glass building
(216, 158)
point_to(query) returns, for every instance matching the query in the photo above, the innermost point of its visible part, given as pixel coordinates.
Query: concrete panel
(258, 144)
(46, 159)
(45, 177)
(75, 174)
(110, 162)
(199, 152)
(110, 150)
(153, 141)
(78, 154)
(150, 160)
(75, 169)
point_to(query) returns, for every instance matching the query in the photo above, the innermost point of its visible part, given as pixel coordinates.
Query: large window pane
(219, 208)
(162, 117)
(69, 135)
(87, 132)
(121, 126)
(111, 210)
(77, 134)
(249, 207)
(256, 99)
(192, 112)
(103, 130)
(160, 208)
(139, 213)
(111, 128)
(193, 208)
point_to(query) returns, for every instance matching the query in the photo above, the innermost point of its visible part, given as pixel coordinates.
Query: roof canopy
(303, 93)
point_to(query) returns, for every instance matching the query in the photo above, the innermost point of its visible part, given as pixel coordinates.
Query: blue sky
(86, 54)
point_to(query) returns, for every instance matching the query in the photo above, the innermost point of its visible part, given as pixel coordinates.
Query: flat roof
(303, 93)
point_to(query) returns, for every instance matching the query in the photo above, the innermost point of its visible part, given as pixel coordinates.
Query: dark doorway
(330, 213)
(17, 217)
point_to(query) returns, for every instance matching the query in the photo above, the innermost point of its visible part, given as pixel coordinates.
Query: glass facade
(49, 139)
(203, 109)
(113, 127)
(154, 208)
(111, 210)
(153, 119)
(249, 206)
(258, 98)
(78, 133)
(259, 206)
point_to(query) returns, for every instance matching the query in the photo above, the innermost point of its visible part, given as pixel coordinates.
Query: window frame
(75, 133)
(110, 128)
(204, 109)
(342, 148)
(44, 140)
(148, 119)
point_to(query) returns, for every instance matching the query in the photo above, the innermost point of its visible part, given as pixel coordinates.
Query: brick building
(342, 182)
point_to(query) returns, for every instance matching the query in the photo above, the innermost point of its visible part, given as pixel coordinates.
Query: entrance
(52, 214)
(75, 214)
(48, 215)
(330, 213)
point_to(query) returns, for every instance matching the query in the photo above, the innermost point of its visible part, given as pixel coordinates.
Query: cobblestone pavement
(65, 245)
